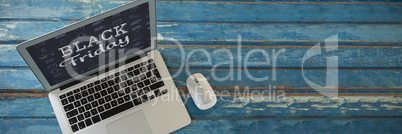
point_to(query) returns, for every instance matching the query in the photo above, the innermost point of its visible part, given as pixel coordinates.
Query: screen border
(35, 69)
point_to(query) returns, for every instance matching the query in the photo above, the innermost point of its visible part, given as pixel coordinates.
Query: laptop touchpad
(135, 123)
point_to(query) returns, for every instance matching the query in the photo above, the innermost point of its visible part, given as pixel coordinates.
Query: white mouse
(201, 91)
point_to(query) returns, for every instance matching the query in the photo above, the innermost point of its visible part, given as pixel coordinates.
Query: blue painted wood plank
(227, 11)
(206, 33)
(14, 105)
(287, 56)
(290, 78)
(365, 125)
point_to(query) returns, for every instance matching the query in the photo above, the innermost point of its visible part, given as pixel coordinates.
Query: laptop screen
(91, 46)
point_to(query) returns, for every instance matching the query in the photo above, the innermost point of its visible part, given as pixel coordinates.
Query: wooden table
(369, 66)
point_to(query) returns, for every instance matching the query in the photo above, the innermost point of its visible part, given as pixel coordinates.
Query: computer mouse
(201, 91)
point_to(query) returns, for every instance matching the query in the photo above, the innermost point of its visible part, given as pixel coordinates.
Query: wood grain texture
(196, 56)
(25, 79)
(225, 11)
(220, 32)
(15, 105)
(50, 126)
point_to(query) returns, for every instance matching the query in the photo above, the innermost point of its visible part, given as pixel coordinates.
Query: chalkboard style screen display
(88, 47)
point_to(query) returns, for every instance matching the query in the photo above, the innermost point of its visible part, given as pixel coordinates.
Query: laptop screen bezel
(22, 48)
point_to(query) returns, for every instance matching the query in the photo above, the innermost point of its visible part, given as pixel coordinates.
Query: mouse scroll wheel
(196, 80)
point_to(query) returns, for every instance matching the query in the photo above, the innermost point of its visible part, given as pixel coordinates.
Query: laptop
(105, 76)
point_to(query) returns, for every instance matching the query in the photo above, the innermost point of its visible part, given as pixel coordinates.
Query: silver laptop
(104, 75)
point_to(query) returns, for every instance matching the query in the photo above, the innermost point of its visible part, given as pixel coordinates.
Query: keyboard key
(148, 74)
(95, 119)
(144, 98)
(121, 93)
(97, 95)
(78, 96)
(120, 100)
(62, 96)
(153, 79)
(123, 72)
(74, 128)
(64, 101)
(101, 101)
(107, 106)
(104, 85)
(146, 90)
(72, 120)
(137, 66)
(98, 88)
(72, 113)
(143, 63)
(80, 117)
(137, 101)
(83, 88)
(157, 85)
(127, 90)
(84, 101)
(151, 97)
(142, 77)
(77, 104)
(84, 93)
(117, 74)
(95, 104)
(126, 98)
(150, 60)
(134, 87)
(130, 69)
(114, 95)
(111, 82)
(103, 92)
(140, 85)
(137, 72)
(91, 90)
(123, 85)
(117, 80)
(143, 70)
(133, 95)
(81, 109)
(90, 85)
(130, 82)
(110, 90)
(90, 98)
(88, 107)
(110, 77)
(116, 87)
(157, 92)
(103, 79)
(151, 66)
(68, 107)
(81, 125)
(164, 91)
(147, 82)
(96, 82)
(116, 110)
(123, 77)
(88, 122)
(114, 103)
(94, 111)
(136, 79)
(101, 109)
(140, 92)
(87, 114)
(70, 93)
(130, 74)
(108, 98)
(71, 99)
(76, 90)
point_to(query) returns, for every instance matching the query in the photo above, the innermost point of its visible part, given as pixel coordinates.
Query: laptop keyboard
(111, 95)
